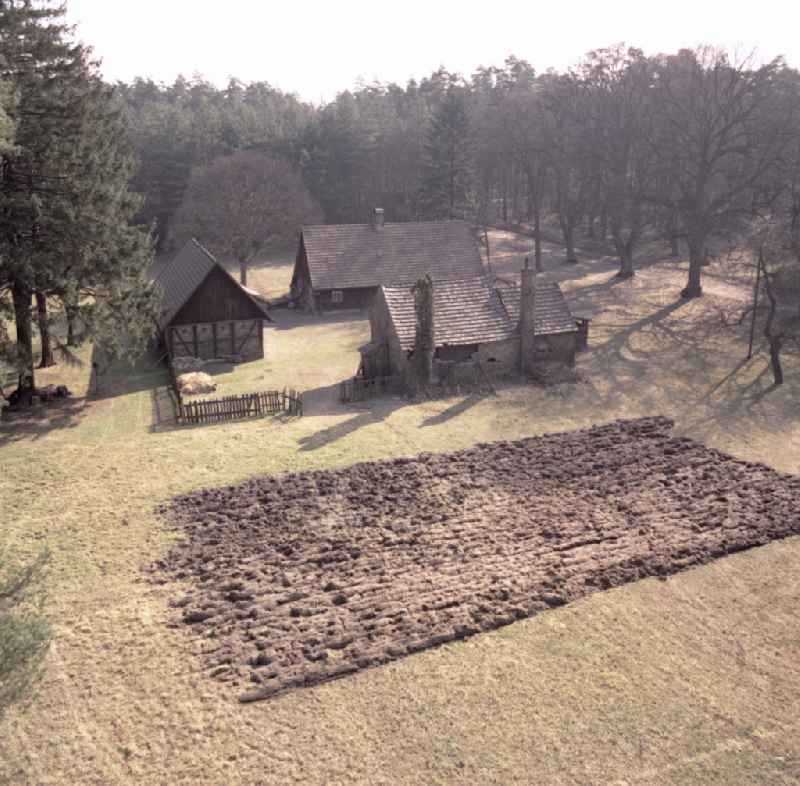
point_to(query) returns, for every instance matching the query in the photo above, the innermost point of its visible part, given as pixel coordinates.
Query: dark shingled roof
(180, 277)
(465, 311)
(476, 311)
(345, 256)
(551, 312)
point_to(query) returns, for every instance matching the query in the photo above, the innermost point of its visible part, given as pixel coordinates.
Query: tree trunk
(21, 296)
(47, 357)
(696, 259)
(625, 247)
(568, 231)
(505, 199)
(243, 272)
(775, 346)
(72, 338)
(590, 226)
(529, 200)
(674, 237)
(625, 262)
(603, 225)
(537, 237)
(514, 196)
(775, 339)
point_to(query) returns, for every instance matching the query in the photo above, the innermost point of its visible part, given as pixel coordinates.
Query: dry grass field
(690, 681)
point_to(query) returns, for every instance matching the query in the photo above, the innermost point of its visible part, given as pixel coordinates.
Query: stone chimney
(526, 319)
(425, 334)
(377, 218)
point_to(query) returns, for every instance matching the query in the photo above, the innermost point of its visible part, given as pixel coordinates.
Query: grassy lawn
(271, 273)
(689, 681)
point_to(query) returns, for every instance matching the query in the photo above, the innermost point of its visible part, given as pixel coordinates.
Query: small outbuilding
(341, 266)
(205, 312)
(495, 323)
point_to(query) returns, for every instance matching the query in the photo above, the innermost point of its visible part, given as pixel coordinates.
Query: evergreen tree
(447, 178)
(63, 186)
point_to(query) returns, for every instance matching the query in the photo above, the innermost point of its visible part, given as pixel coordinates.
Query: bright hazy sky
(317, 49)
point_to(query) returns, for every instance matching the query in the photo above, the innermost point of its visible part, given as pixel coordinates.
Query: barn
(205, 311)
(341, 266)
(476, 319)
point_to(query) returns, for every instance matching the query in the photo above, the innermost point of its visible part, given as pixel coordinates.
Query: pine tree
(64, 199)
(447, 178)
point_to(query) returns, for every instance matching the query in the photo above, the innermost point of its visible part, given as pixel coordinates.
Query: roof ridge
(392, 223)
(205, 251)
(449, 281)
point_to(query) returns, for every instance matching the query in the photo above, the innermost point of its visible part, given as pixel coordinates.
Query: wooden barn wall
(217, 299)
(240, 338)
(360, 299)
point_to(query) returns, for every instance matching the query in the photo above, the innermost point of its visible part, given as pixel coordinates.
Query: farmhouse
(475, 319)
(205, 311)
(341, 266)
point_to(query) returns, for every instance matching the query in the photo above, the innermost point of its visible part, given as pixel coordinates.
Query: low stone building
(474, 320)
(205, 312)
(341, 266)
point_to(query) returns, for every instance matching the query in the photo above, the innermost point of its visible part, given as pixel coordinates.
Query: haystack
(195, 383)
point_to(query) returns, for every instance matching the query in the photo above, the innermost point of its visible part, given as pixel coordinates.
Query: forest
(693, 145)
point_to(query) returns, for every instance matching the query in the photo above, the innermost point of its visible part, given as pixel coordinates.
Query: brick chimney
(526, 319)
(377, 218)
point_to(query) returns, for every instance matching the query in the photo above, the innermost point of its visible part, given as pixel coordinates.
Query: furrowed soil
(304, 578)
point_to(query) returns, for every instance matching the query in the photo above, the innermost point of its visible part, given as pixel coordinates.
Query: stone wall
(558, 348)
(500, 358)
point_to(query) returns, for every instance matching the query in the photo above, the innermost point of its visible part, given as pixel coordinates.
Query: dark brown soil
(308, 577)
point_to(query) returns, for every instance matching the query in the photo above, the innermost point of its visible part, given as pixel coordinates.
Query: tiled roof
(465, 311)
(345, 256)
(476, 311)
(551, 312)
(180, 277)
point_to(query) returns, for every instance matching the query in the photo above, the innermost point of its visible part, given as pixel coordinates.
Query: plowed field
(308, 577)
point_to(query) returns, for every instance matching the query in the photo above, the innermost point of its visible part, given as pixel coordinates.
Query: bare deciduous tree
(566, 120)
(241, 205)
(618, 81)
(715, 141)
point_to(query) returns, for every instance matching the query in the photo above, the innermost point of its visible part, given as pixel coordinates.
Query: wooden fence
(246, 405)
(361, 389)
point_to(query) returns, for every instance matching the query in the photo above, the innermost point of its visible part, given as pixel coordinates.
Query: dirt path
(313, 576)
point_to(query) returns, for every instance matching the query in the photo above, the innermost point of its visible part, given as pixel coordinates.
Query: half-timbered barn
(492, 322)
(341, 266)
(205, 311)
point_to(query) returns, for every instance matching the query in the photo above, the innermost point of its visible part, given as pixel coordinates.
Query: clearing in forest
(307, 577)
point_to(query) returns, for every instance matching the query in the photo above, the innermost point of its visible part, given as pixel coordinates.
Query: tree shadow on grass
(339, 430)
(121, 378)
(41, 419)
(324, 402)
(454, 410)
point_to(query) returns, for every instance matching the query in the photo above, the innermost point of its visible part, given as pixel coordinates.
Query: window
(337, 296)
